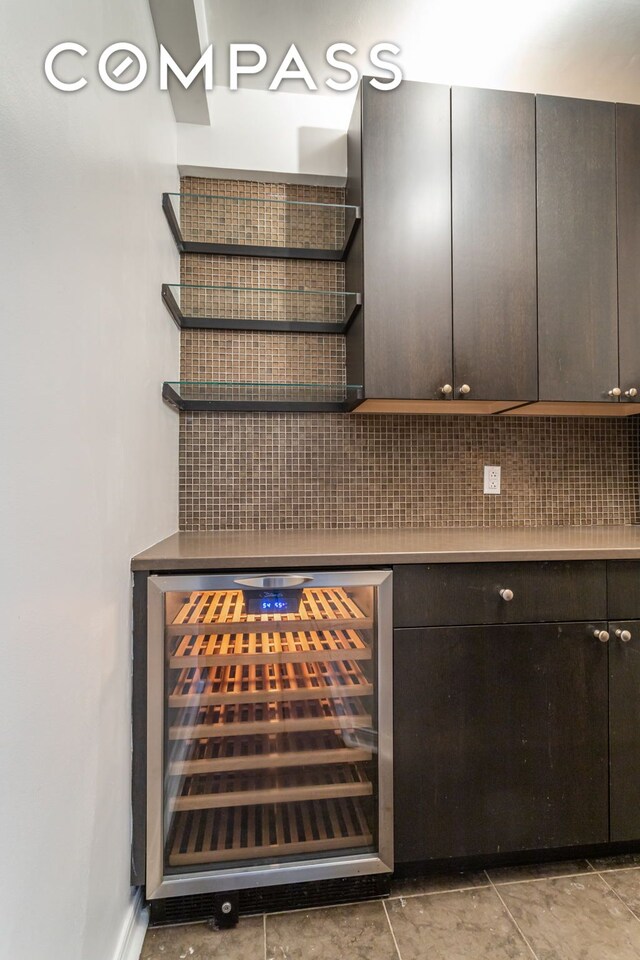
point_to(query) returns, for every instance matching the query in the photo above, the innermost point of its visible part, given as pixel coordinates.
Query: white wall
(88, 456)
(269, 136)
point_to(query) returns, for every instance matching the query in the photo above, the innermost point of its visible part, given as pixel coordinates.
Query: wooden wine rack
(245, 788)
(269, 831)
(281, 647)
(233, 720)
(218, 754)
(256, 683)
(257, 759)
(223, 611)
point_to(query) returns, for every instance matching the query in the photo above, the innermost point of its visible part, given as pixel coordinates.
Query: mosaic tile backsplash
(273, 214)
(270, 471)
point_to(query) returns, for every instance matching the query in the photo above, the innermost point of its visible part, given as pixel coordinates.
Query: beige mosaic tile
(270, 471)
(268, 214)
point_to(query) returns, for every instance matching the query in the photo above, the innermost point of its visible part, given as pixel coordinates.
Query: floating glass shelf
(252, 227)
(195, 395)
(260, 308)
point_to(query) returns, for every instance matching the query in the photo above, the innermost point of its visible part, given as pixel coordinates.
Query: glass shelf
(202, 395)
(198, 306)
(252, 227)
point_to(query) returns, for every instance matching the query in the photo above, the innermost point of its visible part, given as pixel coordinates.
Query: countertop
(260, 549)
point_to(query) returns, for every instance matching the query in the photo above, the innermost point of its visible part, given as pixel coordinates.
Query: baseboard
(132, 937)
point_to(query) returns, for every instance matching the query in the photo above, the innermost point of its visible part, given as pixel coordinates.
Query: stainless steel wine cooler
(269, 730)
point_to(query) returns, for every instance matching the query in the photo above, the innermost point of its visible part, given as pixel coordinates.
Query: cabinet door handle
(601, 635)
(465, 388)
(615, 392)
(624, 635)
(447, 389)
(631, 392)
(273, 582)
(506, 594)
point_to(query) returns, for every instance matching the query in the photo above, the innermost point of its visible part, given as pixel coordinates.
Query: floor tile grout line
(323, 906)
(511, 916)
(623, 902)
(434, 893)
(632, 866)
(552, 876)
(386, 913)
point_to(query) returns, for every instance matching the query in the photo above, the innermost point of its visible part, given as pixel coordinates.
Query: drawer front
(623, 581)
(447, 594)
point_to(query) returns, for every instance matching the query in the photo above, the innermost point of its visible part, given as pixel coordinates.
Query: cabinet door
(501, 739)
(624, 730)
(493, 161)
(577, 269)
(628, 162)
(406, 197)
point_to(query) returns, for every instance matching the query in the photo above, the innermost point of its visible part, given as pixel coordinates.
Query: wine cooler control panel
(272, 601)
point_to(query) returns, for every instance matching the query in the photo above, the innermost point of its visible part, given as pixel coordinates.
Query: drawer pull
(506, 594)
(274, 582)
(601, 635)
(624, 635)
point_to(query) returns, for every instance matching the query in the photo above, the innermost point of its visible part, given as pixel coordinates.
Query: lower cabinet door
(624, 729)
(500, 739)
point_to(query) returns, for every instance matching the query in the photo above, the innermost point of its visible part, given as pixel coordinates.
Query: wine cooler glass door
(269, 729)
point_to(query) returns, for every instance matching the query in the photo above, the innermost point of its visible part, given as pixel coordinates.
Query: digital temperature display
(272, 601)
(275, 603)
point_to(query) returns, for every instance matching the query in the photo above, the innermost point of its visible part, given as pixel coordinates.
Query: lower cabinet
(501, 738)
(624, 729)
(513, 735)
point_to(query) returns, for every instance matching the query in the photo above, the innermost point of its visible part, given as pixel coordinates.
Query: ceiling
(586, 48)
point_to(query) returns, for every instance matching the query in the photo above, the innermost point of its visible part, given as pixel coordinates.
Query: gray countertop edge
(172, 558)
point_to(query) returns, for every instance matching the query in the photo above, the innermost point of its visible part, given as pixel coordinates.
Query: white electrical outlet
(492, 479)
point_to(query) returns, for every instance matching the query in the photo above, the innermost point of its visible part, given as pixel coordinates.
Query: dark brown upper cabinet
(628, 169)
(493, 137)
(588, 155)
(400, 172)
(401, 346)
(577, 260)
(498, 253)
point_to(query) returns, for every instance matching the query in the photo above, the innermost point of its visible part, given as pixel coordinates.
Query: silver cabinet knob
(506, 594)
(446, 389)
(465, 388)
(615, 392)
(601, 635)
(624, 635)
(631, 392)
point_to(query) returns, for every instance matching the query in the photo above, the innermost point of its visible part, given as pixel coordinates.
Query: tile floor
(575, 910)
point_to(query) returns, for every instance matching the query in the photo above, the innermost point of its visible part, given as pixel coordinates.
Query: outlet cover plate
(492, 479)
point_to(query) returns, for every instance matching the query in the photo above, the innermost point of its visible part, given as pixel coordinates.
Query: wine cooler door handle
(273, 582)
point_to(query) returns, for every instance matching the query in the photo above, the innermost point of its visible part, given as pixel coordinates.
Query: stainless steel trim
(203, 881)
(269, 875)
(273, 582)
(155, 730)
